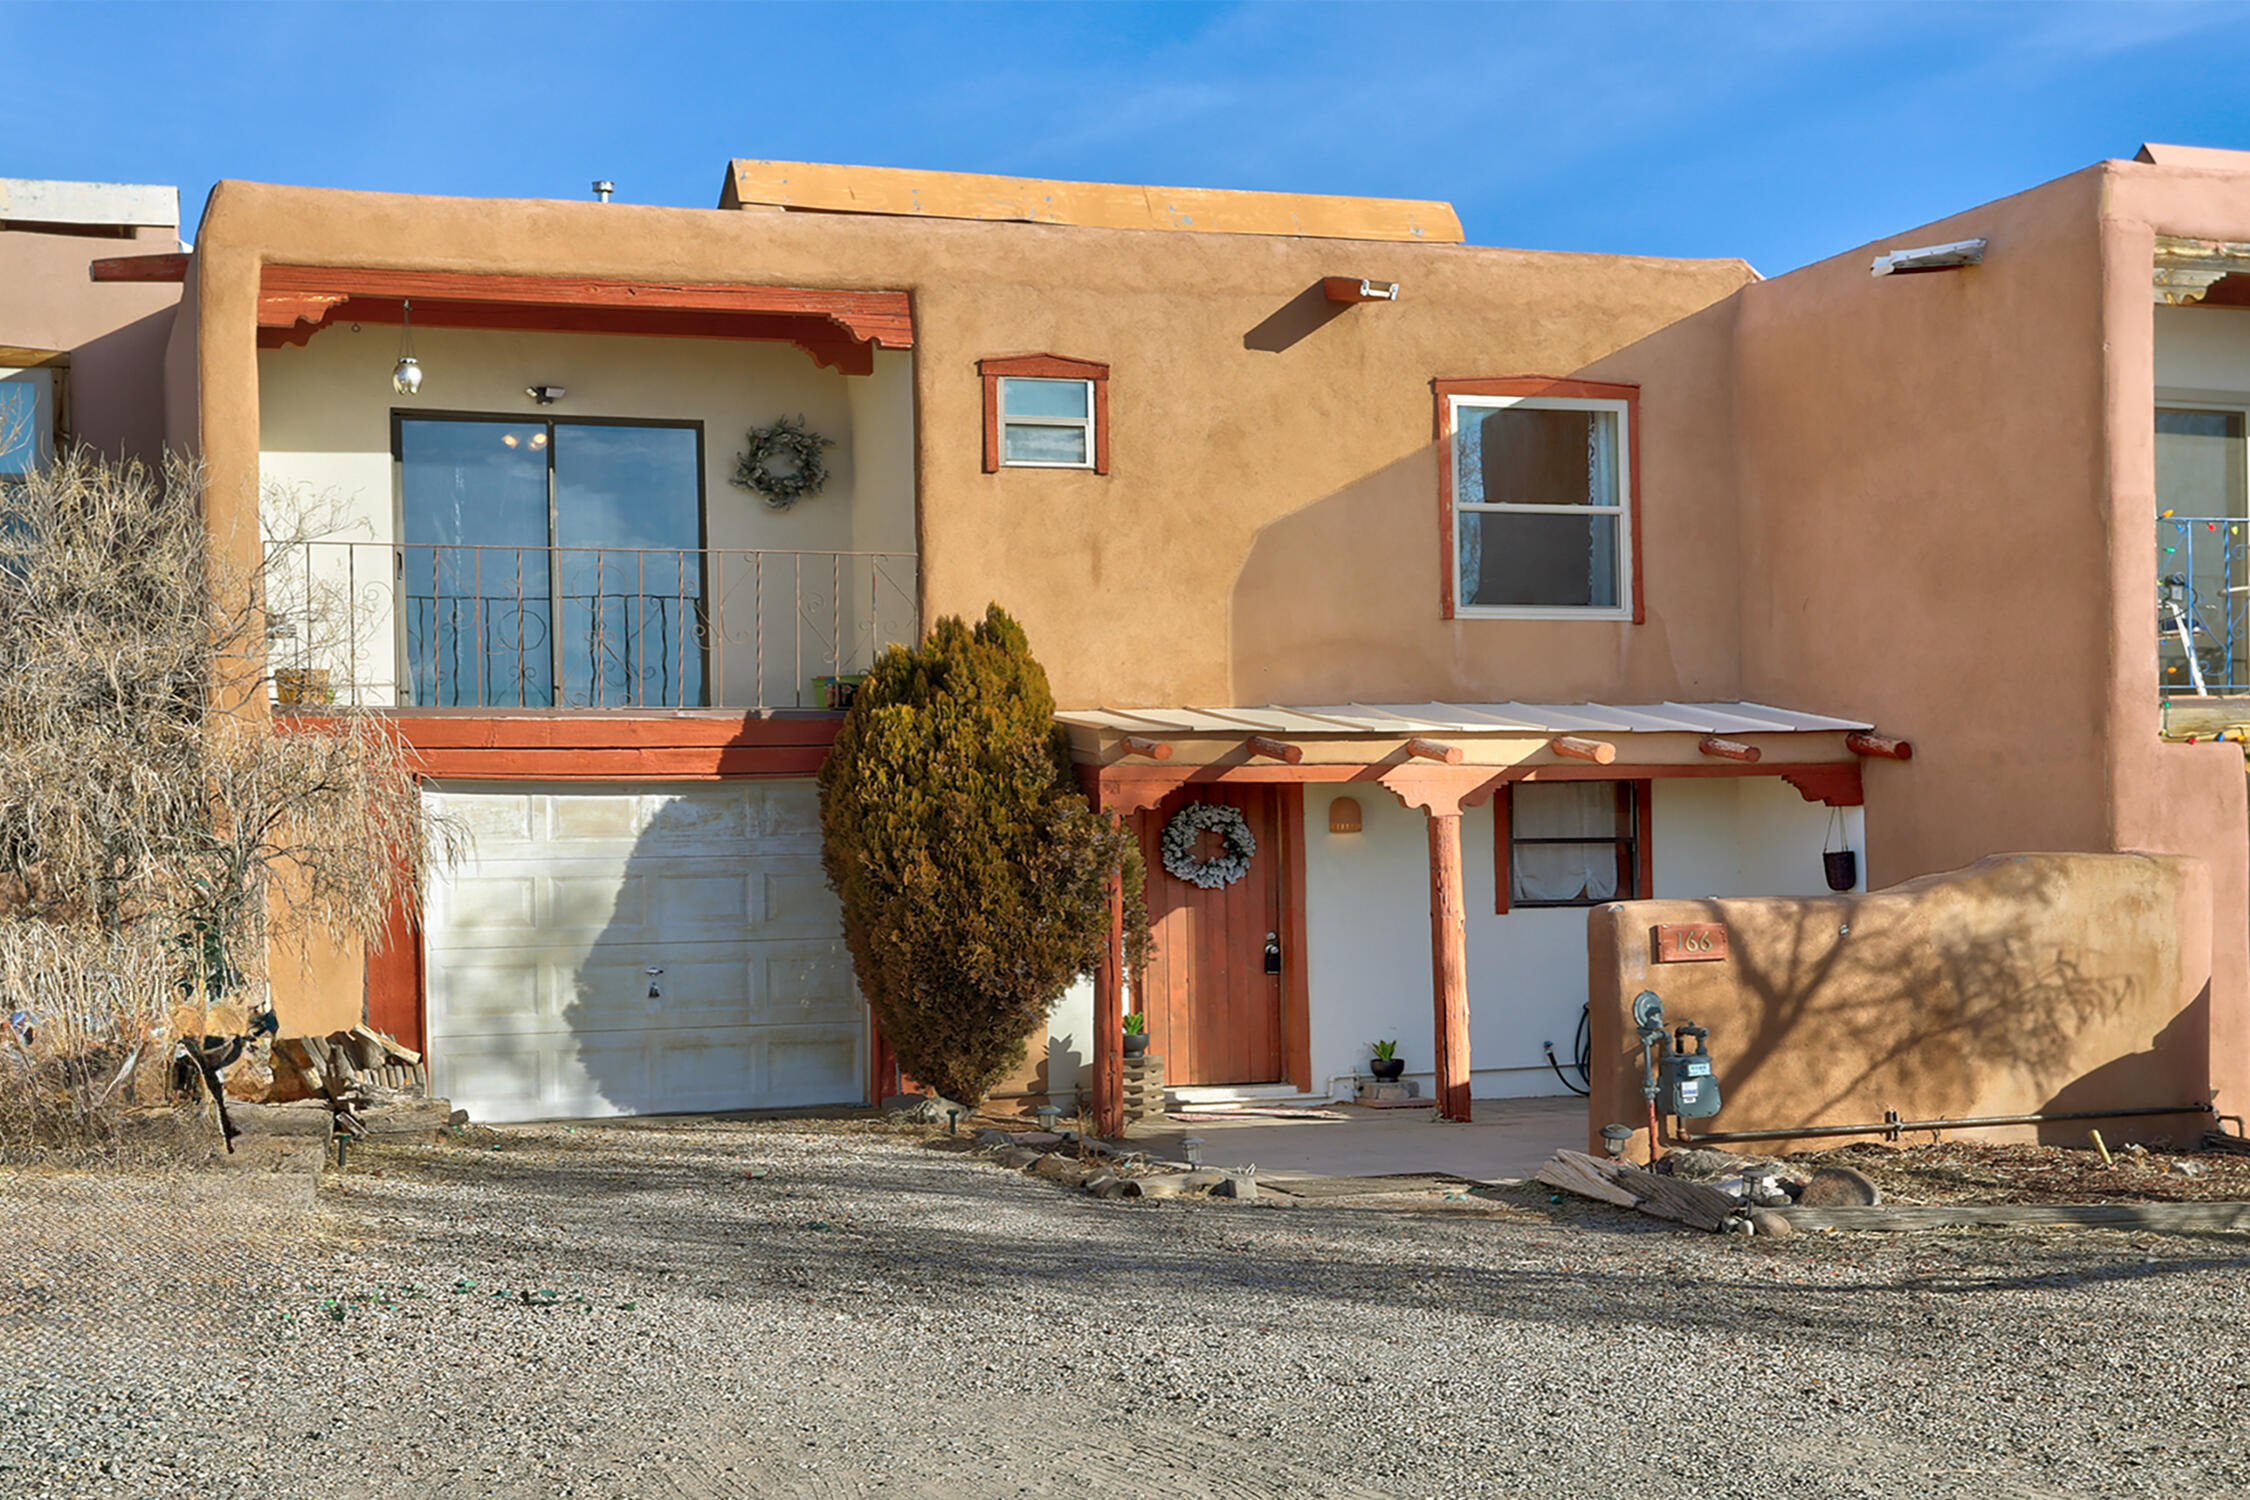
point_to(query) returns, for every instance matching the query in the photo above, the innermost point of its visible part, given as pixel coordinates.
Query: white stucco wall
(325, 436)
(1368, 923)
(2202, 352)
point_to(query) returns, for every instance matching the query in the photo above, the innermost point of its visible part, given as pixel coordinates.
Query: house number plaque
(1690, 942)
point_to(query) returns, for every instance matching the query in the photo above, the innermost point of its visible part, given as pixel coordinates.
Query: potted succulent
(1136, 1034)
(1388, 1065)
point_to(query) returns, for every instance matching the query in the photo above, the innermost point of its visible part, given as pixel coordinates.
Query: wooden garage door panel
(539, 948)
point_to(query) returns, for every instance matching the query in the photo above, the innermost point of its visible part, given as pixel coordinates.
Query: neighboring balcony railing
(2202, 605)
(374, 624)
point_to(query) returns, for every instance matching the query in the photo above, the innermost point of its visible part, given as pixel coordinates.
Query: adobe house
(1493, 592)
(82, 361)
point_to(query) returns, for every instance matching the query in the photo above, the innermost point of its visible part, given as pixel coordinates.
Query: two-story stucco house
(1484, 586)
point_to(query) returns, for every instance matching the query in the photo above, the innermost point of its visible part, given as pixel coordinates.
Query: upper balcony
(438, 627)
(552, 516)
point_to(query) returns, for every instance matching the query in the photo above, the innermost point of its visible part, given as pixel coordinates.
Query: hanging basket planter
(783, 465)
(1223, 869)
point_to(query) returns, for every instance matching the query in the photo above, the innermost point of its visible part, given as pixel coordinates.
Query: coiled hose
(1583, 1062)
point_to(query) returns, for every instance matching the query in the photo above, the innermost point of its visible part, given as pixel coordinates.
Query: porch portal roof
(1462, 752)
(1515, 720)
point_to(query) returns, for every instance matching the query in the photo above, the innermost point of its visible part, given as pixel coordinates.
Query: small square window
(1045, 411)
(1046, 423)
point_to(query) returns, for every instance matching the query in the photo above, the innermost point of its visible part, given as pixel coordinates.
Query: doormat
(1267, 1111)
(1398, 1104)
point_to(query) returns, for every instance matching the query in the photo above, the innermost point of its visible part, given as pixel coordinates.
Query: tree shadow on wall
(713, 974)
(1987, 1013)
(1339, 598)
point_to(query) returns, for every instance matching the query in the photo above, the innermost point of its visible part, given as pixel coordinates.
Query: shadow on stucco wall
(2024, 983)
(1342, 598)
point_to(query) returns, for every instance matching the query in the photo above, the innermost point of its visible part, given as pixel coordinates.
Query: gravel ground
(876, 1316)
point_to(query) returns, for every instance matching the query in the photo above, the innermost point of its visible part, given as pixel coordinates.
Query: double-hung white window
(1046, 424)
(1541, 506)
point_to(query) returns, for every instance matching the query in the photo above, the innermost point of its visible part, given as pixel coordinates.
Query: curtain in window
(1602, 489)
(1565, 810)
(1468, 489)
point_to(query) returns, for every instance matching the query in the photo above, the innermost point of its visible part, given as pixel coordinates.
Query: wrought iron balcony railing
(376, 624)
(2203, 605)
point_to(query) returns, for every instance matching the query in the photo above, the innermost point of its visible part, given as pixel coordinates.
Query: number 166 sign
(1690, 942)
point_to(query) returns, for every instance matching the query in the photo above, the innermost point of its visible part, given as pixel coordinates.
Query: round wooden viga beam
(1273, 749)
(1730, 750)
(1571, 747)
(1422, 749)
(1879, 745)
(1134, 744)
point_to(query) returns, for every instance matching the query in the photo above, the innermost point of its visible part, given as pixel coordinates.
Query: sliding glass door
(551, 564)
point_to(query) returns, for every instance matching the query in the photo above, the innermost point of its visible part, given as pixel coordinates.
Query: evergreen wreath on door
(1223, 869)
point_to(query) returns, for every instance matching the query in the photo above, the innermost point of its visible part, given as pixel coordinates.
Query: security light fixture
(1930, 258)
(1357, 289)
(545, 395)
(406, 376)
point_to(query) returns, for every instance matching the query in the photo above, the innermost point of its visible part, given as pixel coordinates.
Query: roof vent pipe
(603, 187)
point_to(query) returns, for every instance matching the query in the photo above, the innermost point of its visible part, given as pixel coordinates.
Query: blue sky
(1780, 133)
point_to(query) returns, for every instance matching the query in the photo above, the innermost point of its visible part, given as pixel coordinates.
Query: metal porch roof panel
(1466, 718)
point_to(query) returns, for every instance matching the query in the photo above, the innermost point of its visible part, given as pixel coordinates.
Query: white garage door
(540, 943)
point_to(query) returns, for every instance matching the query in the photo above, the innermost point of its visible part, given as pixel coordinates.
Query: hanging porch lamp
(406, 378)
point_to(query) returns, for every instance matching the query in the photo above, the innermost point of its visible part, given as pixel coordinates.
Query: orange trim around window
(1044, 367)
(1503, 845)
(1537, 385)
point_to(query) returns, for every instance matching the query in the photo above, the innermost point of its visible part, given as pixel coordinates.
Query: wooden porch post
(1449, 965)
(1109, 1019)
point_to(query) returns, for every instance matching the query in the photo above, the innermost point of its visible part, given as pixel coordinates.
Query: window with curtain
(1572, 843)
(1540, 499)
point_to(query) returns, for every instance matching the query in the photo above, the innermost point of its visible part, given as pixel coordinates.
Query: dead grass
(1979, 1172)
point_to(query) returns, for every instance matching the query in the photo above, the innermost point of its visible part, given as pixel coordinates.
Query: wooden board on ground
(1898, 1216)
(1628, 1186)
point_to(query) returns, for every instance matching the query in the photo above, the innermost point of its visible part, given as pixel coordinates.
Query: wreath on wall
(1191, 823)
(783, 462)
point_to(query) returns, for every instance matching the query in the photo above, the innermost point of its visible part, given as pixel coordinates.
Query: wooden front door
(1214, 1012)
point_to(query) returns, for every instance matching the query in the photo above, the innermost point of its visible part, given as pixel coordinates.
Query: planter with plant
(1388, 1065)
(1136, 1034)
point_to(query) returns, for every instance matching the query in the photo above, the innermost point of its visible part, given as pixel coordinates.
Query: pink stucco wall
(115, 333)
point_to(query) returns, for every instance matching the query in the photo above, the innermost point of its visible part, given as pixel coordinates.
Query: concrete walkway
(1507, 1139)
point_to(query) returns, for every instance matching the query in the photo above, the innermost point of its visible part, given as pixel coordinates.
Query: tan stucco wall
(114, 332)
(1233, 463)
(2026, 983)
(1947, 488)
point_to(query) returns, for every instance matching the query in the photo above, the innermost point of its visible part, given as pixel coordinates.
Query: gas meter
(1678, 1081)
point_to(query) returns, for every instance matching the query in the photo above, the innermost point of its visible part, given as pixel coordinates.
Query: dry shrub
(155, 831)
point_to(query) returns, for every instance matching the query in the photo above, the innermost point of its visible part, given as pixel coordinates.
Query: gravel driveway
(873, 1316)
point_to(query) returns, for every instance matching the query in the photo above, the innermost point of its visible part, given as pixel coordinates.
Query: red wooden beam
(1600, 752)
(880, 317)
(1135, 744)
(1878, 745)
(1449, 966)
(1422, 749)
(1109, 1017)
(1357, 289)
(169, 267)
(1273, 749)
(1730, 749)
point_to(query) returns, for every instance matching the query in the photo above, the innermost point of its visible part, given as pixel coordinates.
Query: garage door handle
(653, 992)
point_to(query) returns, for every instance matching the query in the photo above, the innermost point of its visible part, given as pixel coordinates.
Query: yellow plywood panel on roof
(824, 188)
